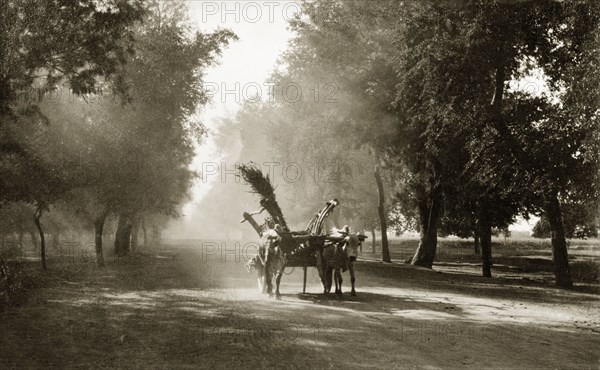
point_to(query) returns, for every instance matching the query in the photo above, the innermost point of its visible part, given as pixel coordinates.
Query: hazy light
(245, 64)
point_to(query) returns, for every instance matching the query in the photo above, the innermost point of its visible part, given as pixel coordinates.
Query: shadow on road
(147, 312)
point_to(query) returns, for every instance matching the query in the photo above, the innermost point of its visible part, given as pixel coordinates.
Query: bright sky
(524, 225)
(245, 65)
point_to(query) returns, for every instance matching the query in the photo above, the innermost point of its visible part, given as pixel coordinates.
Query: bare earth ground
(184, 308)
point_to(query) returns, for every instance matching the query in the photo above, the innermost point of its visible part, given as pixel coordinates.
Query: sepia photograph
(299, 184)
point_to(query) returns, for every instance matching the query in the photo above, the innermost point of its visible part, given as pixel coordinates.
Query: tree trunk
(98, 230)
(135, 230)
(123, 235)
(374, 236)
(562, 271)
(429, 215)
(476, 250)
(385, 250)
(485, 232)
(36, 218)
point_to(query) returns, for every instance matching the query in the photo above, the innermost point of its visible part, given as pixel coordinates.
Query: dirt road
(183, 311)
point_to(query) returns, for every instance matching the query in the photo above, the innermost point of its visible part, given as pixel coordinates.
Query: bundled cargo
(281, 248)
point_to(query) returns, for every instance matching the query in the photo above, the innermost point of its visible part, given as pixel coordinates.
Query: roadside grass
(520, 258)
(529, 257)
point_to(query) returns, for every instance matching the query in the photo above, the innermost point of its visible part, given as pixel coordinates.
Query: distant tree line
(428, 99)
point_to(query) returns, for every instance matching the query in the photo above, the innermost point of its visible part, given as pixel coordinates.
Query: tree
(99, 156)
(482, 46)
(158, 130)
(553, 39)
(385, 249)
(336, 44)
(430, 140)
(45, 44)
